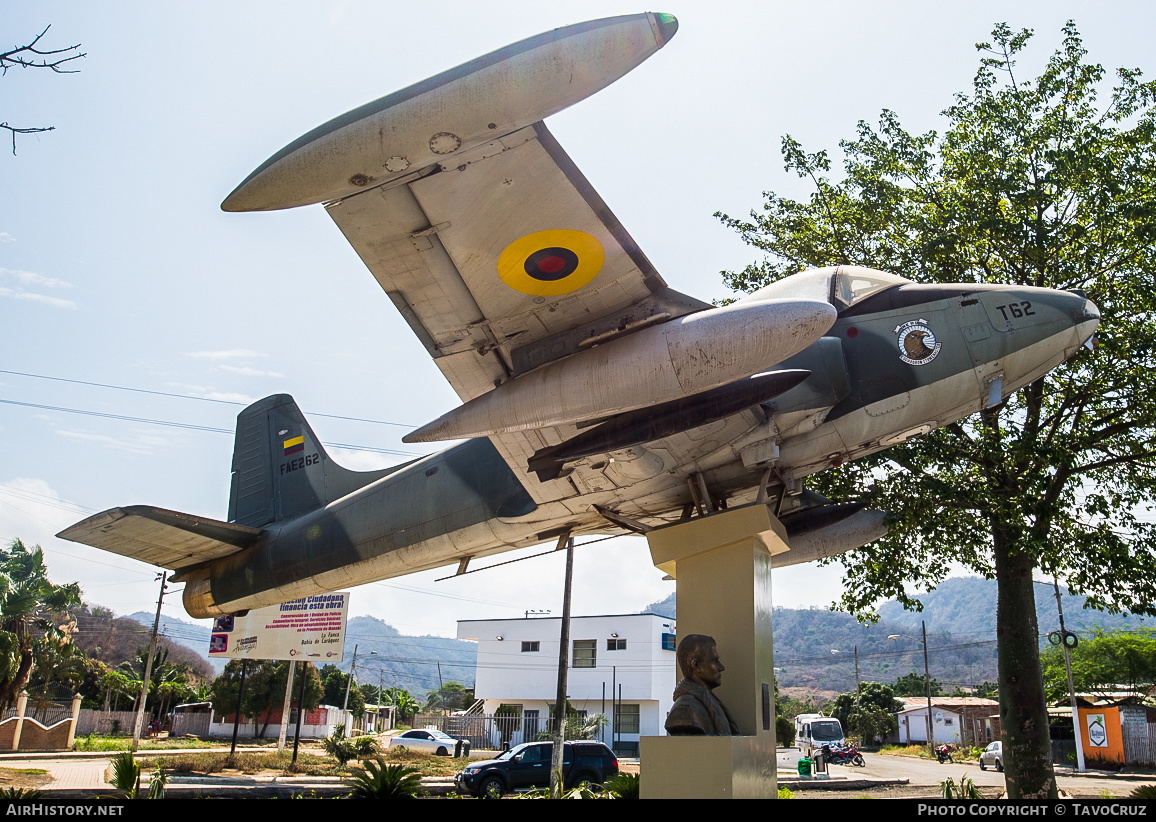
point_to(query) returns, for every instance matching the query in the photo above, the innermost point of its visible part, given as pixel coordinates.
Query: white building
(627, 658)
(958, 720)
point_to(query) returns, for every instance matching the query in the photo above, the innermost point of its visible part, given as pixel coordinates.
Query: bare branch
(16, 131)
(21, 56)
(26, 57)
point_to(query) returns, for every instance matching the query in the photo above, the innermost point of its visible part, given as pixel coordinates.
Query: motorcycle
(943, 755)
(843, 755)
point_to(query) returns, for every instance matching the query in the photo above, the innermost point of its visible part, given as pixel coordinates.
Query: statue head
(698, 660)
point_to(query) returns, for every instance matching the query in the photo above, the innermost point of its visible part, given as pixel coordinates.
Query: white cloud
(32, 511)
(246, 371)
(208, 393)
(30, 296)
(231, 354)
(141, 444)
(32, 278)
(5, 237)
(364, 460)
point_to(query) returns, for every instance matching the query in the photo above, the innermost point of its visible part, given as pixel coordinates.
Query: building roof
(544, 618)
(914, 703)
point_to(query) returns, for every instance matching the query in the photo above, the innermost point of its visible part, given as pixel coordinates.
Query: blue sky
(118, 267)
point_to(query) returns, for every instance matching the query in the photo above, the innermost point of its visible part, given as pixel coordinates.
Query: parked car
(427, 741)
(992, 755)
(528, 766)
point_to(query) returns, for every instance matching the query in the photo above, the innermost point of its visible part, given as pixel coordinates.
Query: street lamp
(927, 682)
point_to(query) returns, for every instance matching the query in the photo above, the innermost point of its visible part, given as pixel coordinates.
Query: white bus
(816, 730)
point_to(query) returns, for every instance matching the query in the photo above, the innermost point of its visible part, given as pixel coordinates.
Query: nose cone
(665, 25)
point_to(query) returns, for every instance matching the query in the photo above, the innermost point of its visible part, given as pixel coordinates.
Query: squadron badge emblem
(917, 344)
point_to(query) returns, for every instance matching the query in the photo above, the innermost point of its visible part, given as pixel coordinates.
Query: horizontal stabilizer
(168, 539)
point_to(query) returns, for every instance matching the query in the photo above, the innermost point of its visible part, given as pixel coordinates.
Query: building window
(585, 653)
(530, 647)
(668, 642)
(628, 719)
(616, 644)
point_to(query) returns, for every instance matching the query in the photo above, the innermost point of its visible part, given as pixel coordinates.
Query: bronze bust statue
(697, 711)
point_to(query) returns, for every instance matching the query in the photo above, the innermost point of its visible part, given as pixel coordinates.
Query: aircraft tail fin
(280, 469)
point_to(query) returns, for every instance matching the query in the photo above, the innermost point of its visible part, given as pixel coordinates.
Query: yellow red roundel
(549, 263)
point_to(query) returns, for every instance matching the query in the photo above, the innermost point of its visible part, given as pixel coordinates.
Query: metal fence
(46, 712)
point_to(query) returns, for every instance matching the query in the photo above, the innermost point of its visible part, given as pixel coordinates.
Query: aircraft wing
(504, 259)
(168, 539)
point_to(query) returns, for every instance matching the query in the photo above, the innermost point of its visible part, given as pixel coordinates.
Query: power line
(192, 427)
(191, 397)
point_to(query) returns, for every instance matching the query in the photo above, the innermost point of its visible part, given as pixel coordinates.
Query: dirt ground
(10, 778)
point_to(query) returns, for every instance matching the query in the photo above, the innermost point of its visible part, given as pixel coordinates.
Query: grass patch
(254, 762)
(112, 744)
(248, 762)
(906, 750)
(426, 764)
(26, 778)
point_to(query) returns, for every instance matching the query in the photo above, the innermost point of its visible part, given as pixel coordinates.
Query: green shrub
(380, 781)
(624, 786)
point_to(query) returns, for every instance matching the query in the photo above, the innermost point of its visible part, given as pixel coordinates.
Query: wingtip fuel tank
(686, 356)
(467, 106)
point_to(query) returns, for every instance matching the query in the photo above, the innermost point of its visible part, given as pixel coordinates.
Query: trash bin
(462, 748)
(804, 766)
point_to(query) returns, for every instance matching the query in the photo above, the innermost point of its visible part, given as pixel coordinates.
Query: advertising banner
(1097, 733)
(310, 629)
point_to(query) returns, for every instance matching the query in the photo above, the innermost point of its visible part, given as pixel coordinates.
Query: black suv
(528, 766)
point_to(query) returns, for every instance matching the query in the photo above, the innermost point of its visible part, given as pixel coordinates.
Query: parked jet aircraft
(597, 399)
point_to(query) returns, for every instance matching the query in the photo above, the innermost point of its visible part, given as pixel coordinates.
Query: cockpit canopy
(843, 286)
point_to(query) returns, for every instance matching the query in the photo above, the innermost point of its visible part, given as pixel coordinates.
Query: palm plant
(344, 750)
(379, 781)
(624, 786)
(27, 601)
(126, 774)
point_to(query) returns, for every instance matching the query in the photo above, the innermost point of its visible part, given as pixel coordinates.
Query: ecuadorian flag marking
(294, 445)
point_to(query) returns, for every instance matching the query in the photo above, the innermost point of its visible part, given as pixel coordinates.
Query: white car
(427, 741)
(992, 755)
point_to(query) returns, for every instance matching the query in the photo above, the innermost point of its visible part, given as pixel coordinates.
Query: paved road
(925, 772)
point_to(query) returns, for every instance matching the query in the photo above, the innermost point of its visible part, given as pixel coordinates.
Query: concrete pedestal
(722, 568)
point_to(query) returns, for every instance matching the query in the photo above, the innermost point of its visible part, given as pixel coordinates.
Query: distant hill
(966, 605)
(383, 655)
(113, 640)
(960, 616)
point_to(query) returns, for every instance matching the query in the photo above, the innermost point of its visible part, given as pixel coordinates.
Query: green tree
(451, 696)
(914, 684)
(403, 703)
(265, 682)
(1033, 182)
(31, 608)
(872, 714)
(1105, 664)
(334, 680)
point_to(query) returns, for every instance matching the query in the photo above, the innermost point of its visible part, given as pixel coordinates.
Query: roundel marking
(549, 263)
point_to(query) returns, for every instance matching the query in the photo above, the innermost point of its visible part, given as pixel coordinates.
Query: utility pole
(286, 707)
(1071, 685)
(348, 685)
(926, 682)
(148, 666)
(563, 650)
